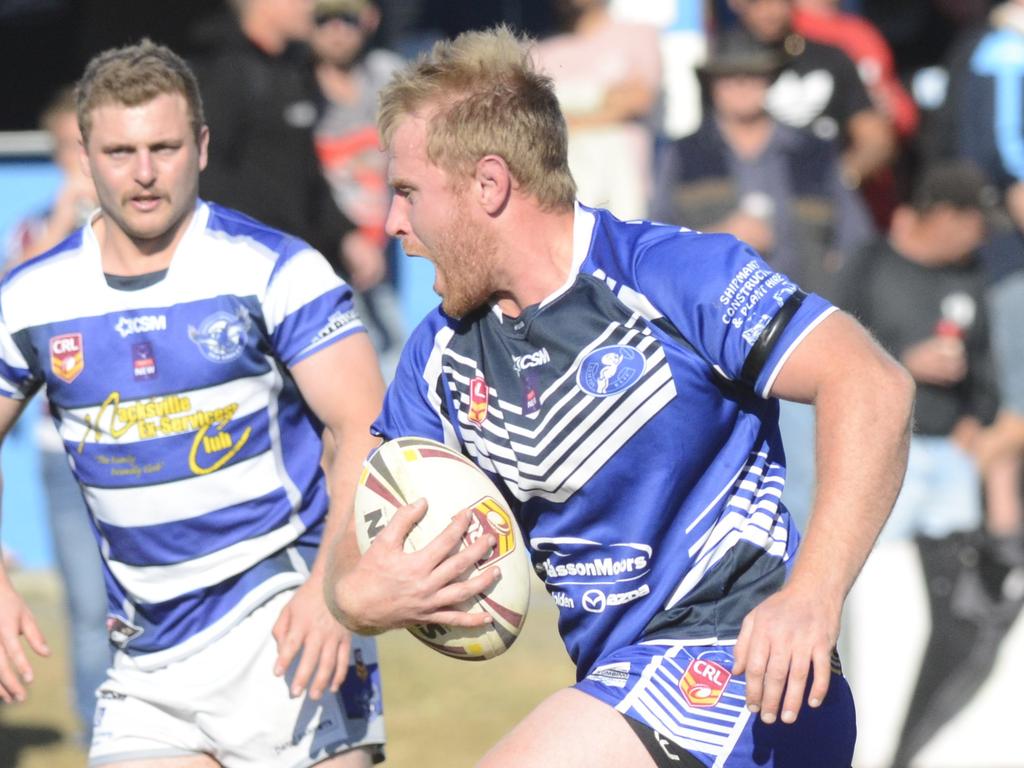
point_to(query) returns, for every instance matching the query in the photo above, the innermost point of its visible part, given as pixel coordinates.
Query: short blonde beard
(467, 251)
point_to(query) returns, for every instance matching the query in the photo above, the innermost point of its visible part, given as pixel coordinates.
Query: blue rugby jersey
(197, 457)
(645, 475)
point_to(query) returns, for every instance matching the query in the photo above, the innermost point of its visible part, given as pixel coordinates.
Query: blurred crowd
(895, 190)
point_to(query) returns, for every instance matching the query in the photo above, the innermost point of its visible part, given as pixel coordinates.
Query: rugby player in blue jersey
(619, 381)
(193, 358)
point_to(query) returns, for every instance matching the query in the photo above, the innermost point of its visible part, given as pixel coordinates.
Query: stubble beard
(465, 257)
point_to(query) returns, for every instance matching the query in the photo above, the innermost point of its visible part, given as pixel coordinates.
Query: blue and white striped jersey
(197, 457)
(644, 472)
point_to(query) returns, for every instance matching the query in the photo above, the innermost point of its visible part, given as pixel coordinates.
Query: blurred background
(872, 149)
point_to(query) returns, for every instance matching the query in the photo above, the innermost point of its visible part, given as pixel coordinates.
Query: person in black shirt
(921, 292)
(257, 82)
(820, 90)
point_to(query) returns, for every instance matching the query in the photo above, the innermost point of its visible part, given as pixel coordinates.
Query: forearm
(862, 439)
(872, 147)
(625, 101)
(344, 463)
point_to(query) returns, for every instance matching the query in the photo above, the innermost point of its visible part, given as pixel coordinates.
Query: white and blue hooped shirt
(197, 457)
(627, 420)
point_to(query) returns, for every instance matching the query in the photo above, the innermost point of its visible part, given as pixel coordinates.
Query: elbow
(899, 391)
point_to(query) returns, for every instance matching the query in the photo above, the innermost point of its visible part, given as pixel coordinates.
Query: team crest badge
(610, 370)
(221, 336)
(704, 682)
(67, 356)
(478, 400)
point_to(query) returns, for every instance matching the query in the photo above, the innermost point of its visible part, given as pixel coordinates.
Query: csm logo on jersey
(67, 356)
(532, 360)
(126, 326)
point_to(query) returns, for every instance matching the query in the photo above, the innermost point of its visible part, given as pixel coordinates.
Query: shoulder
(635, 252)
(231, 226)
(43, 285)
(382, 63)
(818, 54)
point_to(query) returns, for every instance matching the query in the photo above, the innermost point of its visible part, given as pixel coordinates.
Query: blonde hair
(482, 95)
(134, 75)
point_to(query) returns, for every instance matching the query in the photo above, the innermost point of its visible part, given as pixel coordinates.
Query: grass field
(440, 713)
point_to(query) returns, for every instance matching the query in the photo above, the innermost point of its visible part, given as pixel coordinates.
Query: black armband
(766, 341)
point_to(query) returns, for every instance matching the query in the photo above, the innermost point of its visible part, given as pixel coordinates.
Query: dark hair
(956, 183)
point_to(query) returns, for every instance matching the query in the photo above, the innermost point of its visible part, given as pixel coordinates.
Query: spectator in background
(921, 291)
(607, 76)
(820, 89)
(774, 186)
(858, 38)
(822, 21)
(771, 185)
(257, 81)
(984, 105)
(350, 75)
(72, 528)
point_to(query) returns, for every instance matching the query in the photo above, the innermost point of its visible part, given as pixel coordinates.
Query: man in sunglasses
(350, 72)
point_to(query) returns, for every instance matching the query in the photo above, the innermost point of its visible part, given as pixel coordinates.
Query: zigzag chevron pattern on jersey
(577, 432)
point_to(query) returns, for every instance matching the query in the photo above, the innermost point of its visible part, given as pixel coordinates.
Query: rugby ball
(408, 468)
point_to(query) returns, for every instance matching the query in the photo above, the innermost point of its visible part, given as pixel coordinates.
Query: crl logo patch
(703, 682)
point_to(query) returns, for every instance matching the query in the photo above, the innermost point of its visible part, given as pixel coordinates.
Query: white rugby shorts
(225, 701)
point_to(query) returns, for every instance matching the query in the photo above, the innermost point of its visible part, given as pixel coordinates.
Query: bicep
(839, 346)
(342, 384)
(10, 410)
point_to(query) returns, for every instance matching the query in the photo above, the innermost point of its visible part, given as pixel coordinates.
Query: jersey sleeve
(738, 313)
(307, 307)
(18, 380)
(416, 399)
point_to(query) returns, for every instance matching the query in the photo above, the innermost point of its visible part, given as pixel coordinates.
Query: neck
(592, 18)
(747, 136)
(124, 255)
(337, 82)
(535, 256)
(263, 35)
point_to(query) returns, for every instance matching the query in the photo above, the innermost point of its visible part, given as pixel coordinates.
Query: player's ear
(204, 146)
(83, 158)
(493, 183)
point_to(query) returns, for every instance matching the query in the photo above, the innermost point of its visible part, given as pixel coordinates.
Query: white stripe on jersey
(158, 583)
(286, 292)
(272, 586)
(755, 521)
(162, 503)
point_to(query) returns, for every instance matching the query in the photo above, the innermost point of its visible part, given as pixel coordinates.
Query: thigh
(571, 730)
(195, 761)
(364, 757)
